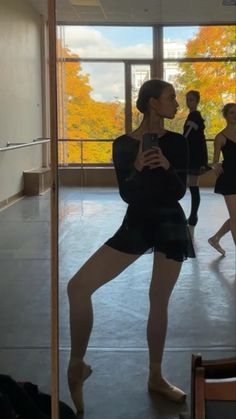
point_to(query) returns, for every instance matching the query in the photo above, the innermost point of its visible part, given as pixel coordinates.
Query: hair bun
(150, 88)
(141, 105)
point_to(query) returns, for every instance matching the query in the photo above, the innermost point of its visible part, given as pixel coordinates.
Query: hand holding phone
(150, 140)
(151, 154)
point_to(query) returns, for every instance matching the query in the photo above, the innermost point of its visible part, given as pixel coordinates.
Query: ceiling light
(229, 2)
(85, 2)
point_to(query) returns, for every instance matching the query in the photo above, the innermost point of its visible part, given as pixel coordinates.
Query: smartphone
(150, 140)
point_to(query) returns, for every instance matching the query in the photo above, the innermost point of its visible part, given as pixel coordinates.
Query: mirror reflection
(100, 71)
(105, 52)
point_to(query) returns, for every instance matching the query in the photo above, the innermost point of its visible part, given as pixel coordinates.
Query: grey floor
(201, 315)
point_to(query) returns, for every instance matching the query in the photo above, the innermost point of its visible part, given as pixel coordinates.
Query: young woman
(194, 132)
(152, 183)
(225, 142)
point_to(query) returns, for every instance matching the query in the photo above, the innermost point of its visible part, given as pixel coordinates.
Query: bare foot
(215, 243)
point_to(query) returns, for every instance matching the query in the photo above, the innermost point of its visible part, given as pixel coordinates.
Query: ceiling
(141, 11)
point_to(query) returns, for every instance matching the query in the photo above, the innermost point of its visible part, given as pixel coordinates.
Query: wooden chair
(213, 388)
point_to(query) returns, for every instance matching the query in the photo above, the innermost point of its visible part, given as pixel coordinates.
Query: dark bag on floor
(25, 401)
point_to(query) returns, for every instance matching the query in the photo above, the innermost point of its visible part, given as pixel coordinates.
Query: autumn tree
(214, 80)
(82, 117)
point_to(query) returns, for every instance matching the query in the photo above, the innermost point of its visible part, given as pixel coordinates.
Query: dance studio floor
(201, 313)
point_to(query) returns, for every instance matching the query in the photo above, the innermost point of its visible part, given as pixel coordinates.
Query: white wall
(20, 92)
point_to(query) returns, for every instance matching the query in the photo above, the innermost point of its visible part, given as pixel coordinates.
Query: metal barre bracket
(10, 144)
(13, 146)
(40, 139)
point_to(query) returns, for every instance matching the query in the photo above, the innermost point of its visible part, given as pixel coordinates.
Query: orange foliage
(81, 117)
(214, 80)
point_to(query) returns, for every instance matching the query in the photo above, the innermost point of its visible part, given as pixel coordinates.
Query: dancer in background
(151, 182)
(225, 142)
(194, 132)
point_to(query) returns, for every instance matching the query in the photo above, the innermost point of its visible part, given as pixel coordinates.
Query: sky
(130, 34)
(107, 79)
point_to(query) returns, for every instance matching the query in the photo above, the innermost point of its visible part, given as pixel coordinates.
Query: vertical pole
(45, 92)
(54, 209)
(157, 70)
(128, 98)
(81, 162)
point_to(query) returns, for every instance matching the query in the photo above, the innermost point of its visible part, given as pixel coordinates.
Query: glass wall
(203, 59)
(106, 42)
(139, 74)
(100, 70)
(199, 41)
(92, 80)
(91, 108)
(214, 81)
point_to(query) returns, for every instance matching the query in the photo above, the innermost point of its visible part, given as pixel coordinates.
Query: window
(109, 41)
(93, 63)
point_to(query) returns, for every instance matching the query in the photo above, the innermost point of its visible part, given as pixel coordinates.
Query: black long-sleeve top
(198, 155)
(157, 187)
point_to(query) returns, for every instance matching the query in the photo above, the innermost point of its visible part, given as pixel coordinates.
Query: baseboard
(11, 200)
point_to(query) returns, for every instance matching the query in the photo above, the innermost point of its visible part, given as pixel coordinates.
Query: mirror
(99, 73)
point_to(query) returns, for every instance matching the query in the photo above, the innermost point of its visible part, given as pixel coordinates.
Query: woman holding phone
(151, 182)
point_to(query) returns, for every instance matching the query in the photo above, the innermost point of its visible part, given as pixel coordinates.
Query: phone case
(150, 140)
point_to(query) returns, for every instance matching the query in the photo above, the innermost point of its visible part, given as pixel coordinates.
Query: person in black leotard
(151, 183)
(225, 142)
(194, 132)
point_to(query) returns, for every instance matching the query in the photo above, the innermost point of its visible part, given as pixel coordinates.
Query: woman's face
(166, 106)
(191, 102)
(231, 115)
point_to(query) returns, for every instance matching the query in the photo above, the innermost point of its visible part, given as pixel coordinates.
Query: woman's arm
(126, 173)
(167, 183)
(218, 144)
(177, 173)
(135, 184)
(194, 123)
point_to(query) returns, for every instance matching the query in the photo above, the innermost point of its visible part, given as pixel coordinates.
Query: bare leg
(215, 239)
(231, 205)
(193, 180)
(164, 277)
(101, 268)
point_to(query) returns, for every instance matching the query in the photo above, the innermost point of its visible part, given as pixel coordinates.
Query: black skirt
(199, 170)
(163, 229)
(226, 183)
